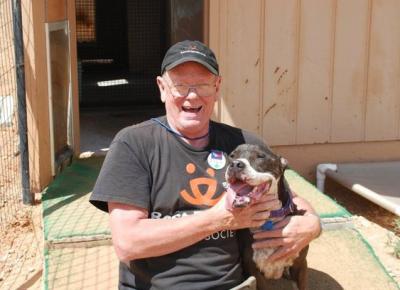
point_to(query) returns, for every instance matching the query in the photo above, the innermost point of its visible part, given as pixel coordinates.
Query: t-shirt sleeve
(124, 178)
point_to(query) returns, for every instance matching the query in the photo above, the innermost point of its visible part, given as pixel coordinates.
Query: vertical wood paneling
(214, 36)
(350, 70)
(309, 71)
(315, 71)
(241, 97)
(280, 71)
(383, 97)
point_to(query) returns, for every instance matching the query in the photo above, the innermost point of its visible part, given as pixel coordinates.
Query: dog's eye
(261, 155)
(232, 155)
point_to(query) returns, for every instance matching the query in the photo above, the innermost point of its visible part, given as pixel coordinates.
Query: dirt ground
(377, 225)
(21, 247)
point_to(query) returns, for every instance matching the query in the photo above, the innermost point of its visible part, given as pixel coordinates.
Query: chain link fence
(10, 172)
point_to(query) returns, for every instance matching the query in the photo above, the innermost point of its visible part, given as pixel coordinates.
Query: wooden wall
(309, 71)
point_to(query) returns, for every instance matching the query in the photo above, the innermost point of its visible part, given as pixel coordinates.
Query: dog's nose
(237, 164)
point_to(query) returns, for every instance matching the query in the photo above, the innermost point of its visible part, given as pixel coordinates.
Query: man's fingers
(281, 224)
(278, 233)
(266, 205)
(261, 216)
(270, 243)
(281, 253)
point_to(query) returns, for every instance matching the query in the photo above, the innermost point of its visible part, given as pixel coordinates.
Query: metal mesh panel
(85, 20)
(20, 243)
(120, 62)
(10, 176)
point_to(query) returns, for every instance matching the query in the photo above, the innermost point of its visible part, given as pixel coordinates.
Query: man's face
(189, 114)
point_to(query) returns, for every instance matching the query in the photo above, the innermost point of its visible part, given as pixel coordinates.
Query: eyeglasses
(179, 91)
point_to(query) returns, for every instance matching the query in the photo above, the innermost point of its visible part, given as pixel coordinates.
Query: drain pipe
(321, 174)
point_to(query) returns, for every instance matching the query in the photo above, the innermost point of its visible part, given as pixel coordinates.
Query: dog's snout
(237, 164)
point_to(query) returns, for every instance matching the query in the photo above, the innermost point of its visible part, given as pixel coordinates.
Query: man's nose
(237, 165)
(192, 92)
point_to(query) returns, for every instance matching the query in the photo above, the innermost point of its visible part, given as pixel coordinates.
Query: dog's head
(252, 172)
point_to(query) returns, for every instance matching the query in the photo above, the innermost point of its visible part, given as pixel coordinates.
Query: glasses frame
(172, 86)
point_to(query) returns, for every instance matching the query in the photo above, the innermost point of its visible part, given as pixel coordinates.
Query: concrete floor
(99, 126)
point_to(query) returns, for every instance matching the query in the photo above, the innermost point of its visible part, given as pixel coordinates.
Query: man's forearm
(145, 238)
(303, 204)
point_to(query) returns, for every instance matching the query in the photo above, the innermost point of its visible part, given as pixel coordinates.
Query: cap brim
(186, 59)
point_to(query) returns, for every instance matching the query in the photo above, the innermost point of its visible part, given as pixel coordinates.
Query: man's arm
(292, 234)
(135, 236)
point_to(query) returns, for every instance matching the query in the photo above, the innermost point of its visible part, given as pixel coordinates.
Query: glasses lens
(180, 90)
(205, 90)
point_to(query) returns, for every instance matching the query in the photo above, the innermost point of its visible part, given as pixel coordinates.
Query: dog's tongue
(240, 188)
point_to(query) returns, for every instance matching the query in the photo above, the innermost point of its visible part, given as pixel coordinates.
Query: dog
(252, 172)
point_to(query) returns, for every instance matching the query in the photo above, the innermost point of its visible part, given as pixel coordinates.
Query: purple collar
(285, 210)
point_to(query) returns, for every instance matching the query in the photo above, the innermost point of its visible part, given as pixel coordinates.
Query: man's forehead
(189, 70)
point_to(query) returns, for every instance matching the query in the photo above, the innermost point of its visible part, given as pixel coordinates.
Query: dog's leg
(298, 272)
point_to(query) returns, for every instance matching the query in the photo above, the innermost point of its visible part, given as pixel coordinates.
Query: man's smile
(191, 109)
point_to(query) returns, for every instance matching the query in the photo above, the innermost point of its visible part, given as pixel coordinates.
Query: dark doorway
(120, 48)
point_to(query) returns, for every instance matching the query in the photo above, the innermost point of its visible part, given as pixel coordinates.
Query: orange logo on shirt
(197, 197)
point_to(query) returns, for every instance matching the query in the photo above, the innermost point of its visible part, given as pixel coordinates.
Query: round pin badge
(216, 159)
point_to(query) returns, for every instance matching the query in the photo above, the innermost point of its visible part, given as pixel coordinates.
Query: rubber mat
(324, 205)
(81, 268)
(66, 210)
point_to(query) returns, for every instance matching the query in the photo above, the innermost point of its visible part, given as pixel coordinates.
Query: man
(162, 183)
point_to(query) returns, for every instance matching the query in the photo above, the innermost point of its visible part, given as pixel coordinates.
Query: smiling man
(163, 184)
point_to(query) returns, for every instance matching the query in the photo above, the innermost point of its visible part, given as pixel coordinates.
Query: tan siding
(56, 10)
(213, 41)
(329, 71)
(241, 68)
(383, 101)
(280, 71)
(316, 52)
(350, 70)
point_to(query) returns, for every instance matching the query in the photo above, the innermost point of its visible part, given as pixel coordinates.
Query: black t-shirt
(151, 168)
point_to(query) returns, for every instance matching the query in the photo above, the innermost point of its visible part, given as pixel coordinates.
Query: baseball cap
(190, 50)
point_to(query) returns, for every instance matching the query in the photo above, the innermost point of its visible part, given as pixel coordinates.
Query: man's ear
(161, 86)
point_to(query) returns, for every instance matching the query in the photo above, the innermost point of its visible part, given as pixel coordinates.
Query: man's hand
(290, 235)
(251, 216)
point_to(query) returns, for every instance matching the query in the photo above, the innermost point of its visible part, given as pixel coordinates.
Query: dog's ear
(284, 163)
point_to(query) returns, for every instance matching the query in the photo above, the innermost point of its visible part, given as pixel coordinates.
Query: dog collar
(279, 213)
(285, 210)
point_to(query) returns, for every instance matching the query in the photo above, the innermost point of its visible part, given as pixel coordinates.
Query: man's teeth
(190, 109)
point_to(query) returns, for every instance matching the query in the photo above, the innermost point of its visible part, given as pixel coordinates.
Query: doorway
(120, 48)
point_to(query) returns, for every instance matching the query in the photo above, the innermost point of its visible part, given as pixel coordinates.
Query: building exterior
(318, 80)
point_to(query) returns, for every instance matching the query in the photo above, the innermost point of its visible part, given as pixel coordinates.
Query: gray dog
(254, 171)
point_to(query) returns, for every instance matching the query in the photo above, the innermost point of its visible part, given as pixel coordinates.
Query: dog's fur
(252, 172)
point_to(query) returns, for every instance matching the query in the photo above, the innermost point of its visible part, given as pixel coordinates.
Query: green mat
(66, 210)
(324, 205)
(81, 268)
(339, 259)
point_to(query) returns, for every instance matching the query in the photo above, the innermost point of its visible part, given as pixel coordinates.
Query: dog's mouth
(244, 192)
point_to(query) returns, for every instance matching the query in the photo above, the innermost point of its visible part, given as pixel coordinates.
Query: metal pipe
(27, 197)
(321, 174)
